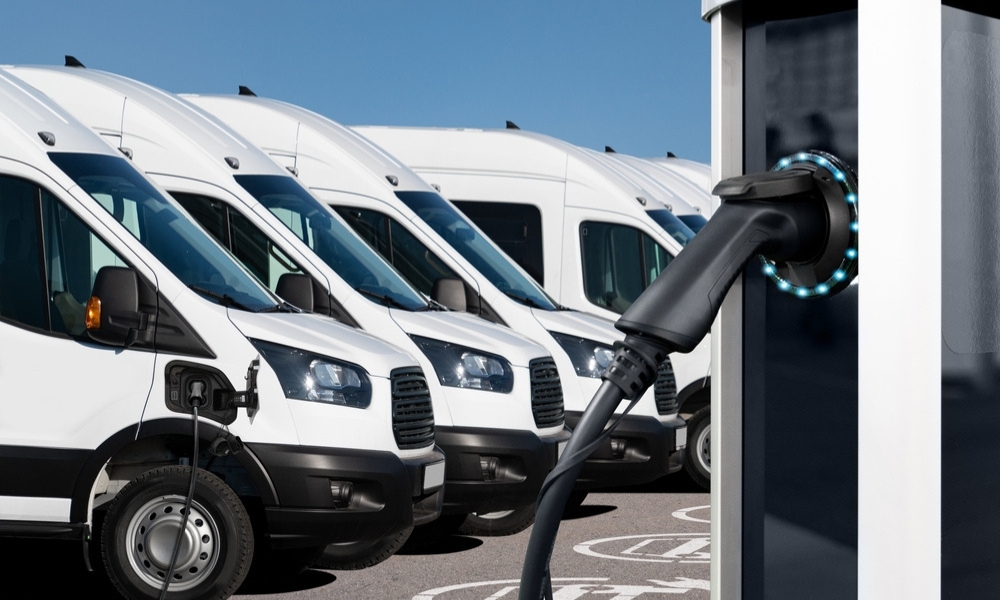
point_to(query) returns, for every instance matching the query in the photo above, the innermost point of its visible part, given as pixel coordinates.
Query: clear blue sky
(632, 74)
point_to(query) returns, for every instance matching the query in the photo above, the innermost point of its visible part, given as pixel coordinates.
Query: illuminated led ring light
(844, 273)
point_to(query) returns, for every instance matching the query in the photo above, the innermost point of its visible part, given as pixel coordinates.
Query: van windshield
(332, 240)
(165, 230)
(463, 236)
(694, 222)
(674, 227)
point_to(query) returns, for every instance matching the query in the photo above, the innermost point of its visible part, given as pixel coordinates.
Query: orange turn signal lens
(93, 317)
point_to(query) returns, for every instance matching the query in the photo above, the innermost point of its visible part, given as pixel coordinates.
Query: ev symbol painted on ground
(568, 588)
(682, 548)
(686, 548)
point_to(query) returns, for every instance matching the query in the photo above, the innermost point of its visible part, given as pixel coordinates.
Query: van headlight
(458, 366)
(589, 358)
(308, 376)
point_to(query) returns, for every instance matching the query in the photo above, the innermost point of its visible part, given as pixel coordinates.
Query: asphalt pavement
(646, 542)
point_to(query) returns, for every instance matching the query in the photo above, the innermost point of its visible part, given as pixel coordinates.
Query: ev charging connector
(801, 219)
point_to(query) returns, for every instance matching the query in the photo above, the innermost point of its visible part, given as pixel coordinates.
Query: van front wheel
(698, 457)
(140, 531)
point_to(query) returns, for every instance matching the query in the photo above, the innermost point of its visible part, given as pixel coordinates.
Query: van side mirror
(450, 292)
(297, 290)
(112, 315)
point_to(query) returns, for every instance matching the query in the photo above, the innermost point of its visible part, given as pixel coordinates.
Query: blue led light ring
(843, 175)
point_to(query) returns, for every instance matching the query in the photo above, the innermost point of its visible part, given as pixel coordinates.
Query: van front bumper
(641, 449)
(490, 470)
(389, 494)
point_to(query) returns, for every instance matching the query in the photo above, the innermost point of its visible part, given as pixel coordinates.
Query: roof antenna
(71, 61)
(609, 150)
(512, 125)
(671, 154)
(245, 91)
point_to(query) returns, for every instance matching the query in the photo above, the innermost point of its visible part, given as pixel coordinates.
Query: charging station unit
(855, 446)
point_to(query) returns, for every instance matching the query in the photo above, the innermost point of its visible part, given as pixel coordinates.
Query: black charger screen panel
(800, 355)
(970, 261)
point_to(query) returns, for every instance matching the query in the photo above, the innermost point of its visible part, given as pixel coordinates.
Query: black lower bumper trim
(648, 453)
(494, 469)
(307, 514)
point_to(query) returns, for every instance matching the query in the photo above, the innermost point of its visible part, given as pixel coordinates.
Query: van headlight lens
(307, 376)
(459, 366)
(589, 358)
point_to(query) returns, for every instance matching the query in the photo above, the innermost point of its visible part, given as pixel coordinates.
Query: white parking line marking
(683, 515)
(572, 588)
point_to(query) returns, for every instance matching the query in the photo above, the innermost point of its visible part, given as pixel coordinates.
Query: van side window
(516, 228)
(22, 289)
(237, 234)
(51, 294)
(414, 261)
(619, 262)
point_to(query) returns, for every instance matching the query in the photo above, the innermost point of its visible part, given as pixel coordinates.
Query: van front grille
(546, 393)
(412, 413)
(665, 389)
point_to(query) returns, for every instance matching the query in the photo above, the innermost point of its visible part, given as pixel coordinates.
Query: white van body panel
(336, 151)
(698, 173)
(467, 163)
(185, 149)
(213, 323)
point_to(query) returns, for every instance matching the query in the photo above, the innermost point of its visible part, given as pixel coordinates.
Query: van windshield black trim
(333, 241)
(674, 227)
(476, 248)
(164, 229)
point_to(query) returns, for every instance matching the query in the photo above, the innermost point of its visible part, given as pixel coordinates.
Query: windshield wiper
(522, 298)
(385, 299)
(432, 305)
(224, 299)
(283, 307)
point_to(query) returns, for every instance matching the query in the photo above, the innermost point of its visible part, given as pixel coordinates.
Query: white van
(132, 345)
(687, 200)
(497, 398)
(593, 238)
(388, 204)
(697, 173)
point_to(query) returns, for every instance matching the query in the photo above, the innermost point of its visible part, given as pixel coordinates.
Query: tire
(361, 555)
(141, 525)
(697, 458)
(504, 522)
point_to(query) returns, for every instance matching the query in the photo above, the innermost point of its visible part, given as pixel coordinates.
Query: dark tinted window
(331, 241)
(22, 289)
(619, 262)
(458, 232)
(694, 222)
(516, 228)
(410, 256)
(246, 241)
(164, 229)
(50, 294)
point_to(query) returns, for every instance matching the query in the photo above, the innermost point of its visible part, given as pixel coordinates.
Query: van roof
(28, 117)
(352, 162)
(171, 133)
(430, 150)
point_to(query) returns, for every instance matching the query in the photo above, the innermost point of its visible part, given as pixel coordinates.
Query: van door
(614, 259)
(61, 394)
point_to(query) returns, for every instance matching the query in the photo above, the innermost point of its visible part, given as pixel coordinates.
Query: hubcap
(703, 447)
(151, 535)
(495, 515)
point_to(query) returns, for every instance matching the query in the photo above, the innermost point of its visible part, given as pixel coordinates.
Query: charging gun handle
(680, 305)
